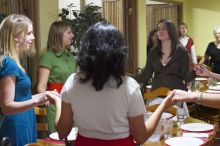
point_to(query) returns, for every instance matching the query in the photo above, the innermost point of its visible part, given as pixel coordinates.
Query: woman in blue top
(16, 101)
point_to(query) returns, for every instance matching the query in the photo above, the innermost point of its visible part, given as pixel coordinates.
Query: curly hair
(102, 54)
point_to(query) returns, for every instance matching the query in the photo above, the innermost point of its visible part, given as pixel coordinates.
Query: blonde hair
(10, 28)
(216, 29)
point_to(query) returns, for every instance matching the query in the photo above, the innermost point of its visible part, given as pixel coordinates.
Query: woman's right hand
(53, 96)
(201, 70)
(168, 102)
(185, 96)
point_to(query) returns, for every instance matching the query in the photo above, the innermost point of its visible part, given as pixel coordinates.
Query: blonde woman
(16, 101)
(187, 42)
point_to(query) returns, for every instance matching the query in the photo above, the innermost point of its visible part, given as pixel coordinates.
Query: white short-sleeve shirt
(103, 114)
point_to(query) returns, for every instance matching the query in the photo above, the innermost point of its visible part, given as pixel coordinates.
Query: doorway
(155, 12)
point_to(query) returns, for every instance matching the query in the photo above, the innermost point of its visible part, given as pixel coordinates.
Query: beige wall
(48, 12)
(202, 16)
(142, 41)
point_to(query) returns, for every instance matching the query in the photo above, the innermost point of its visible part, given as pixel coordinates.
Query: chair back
(171, 109)
(42, 126)
(161, 91)
(5, 141)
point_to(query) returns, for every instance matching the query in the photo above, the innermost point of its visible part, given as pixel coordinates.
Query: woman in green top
(56, 64)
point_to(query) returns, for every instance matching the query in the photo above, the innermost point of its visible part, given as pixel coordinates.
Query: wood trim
(131, 33)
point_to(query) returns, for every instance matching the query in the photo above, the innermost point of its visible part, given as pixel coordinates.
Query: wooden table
(159, 143)
(45, 143)
(209, 142)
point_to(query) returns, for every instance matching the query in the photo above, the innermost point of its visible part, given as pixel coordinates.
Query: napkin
(198, 135)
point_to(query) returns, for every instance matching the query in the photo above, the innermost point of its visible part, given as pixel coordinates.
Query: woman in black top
(168, 63)
(213, 52)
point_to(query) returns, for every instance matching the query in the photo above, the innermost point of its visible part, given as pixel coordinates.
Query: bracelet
(200, 98)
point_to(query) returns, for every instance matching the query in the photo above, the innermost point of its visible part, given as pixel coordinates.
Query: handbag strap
(2, 57)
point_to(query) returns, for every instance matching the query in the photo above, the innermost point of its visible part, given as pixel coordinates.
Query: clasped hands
(187, 96)
(46, 98)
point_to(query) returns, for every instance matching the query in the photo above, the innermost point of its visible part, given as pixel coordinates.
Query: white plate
(149, 86)
(184, 141)
(197, 127)
(201, 79)
(166, 115)
(215, 87)
(212, 91)
(71, 136)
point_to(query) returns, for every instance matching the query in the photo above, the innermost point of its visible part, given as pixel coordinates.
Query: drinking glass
(167, 128)
(157, 133)
(180, 117)
(212, 81)
(197, 85)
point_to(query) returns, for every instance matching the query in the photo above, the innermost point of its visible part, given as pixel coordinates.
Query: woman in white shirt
(106, 105)
(187, 42)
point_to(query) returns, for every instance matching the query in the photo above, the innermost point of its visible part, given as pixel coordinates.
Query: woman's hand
(201, 70)
(168, 102)
(39, 99)
(53, 96)
(184, 96)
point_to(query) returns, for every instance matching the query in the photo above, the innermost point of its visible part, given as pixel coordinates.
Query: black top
(214, 53)
(174, 75)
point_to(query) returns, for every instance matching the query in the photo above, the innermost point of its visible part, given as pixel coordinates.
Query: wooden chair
(42, 126)
(162, 91)
(200, 60)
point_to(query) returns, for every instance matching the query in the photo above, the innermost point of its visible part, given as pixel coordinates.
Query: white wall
(95, 2)
(64, 3)
(76, 3)
(151, 2)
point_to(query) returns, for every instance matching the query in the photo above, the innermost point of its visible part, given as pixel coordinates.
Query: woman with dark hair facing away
(106, 105)
(187, 42)
(56, 64)
(16, 100)
(168, 64)
(152, 40)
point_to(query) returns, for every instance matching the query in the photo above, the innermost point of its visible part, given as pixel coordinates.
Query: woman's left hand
(53, 96)
(39, 99)
(168, 100)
